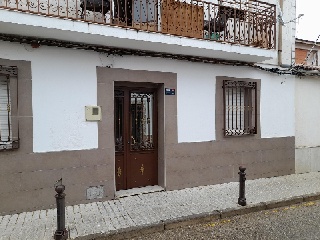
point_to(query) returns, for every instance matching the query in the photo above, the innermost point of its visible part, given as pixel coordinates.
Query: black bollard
(61, 232)
(242, 184)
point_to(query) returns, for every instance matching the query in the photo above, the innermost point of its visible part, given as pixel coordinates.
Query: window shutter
(5, 111)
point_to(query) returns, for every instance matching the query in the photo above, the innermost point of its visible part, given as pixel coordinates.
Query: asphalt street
(301, 221)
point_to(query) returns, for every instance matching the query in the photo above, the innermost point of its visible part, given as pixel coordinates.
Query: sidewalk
(159, 210)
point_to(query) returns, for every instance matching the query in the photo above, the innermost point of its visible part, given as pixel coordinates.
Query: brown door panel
(120, 172)
(142, 169)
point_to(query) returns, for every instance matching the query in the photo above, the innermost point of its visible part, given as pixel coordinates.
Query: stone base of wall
(307, 159)
(28, 179)
(207, 163)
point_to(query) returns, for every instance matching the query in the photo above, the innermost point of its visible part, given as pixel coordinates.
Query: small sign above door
(170, 91)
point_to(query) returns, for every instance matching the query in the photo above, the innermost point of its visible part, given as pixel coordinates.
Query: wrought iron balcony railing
(245, 22)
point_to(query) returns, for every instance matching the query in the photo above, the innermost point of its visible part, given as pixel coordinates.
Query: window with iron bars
(7, 141)
(240, 107)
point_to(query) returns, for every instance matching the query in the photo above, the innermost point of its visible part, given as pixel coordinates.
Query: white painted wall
(196, 97)
(307, 125)
(64, 81)
(307, 112)
(276, 101)
(277, 106)
(62, 84)
(195, 91)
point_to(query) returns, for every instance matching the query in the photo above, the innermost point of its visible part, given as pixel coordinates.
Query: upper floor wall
(195, 28)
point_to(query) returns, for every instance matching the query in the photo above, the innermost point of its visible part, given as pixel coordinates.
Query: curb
(191, 219)
(199, 218)
(124, 233)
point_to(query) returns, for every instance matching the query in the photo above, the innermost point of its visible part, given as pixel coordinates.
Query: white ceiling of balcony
(76, 31)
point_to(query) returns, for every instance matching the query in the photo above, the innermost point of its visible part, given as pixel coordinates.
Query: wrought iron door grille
(240, 108)
(119, 105)
(141, 111)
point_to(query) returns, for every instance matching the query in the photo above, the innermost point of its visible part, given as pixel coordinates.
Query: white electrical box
(93, 113)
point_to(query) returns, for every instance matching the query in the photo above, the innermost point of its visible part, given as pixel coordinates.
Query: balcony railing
(245, 22)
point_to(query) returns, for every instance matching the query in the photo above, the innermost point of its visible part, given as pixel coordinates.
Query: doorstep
(138, 191)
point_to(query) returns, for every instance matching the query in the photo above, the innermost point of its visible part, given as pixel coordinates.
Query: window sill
(9, 146)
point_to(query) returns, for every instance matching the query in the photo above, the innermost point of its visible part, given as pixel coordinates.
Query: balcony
(246, 23)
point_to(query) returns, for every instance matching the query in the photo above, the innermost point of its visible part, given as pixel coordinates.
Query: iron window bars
(240, 107)
(7, 140)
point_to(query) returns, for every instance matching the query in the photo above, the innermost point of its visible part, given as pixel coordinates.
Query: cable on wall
(292, 70)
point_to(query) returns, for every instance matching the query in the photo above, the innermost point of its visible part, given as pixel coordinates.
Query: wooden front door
(136, 150)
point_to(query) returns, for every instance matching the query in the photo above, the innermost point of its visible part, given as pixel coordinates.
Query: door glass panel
(141, 118)
(118, 118)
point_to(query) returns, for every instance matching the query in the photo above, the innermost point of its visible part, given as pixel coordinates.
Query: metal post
(242, 184)
(61, 232)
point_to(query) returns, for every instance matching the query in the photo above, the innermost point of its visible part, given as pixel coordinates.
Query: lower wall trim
(195, 164)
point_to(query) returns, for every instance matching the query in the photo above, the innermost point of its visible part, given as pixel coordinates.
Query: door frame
(107, 78)
(127, 88)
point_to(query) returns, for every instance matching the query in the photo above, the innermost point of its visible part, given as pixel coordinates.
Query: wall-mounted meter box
(93, 113)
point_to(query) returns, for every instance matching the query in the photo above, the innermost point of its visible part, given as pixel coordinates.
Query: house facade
(307, 111)
(117, 96)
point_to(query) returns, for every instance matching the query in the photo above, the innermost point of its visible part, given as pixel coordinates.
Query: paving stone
(16, 232)
(109, 227)
(115, 216)
(11, 225)
(80, 226)
(3, 225)
(87, 215)
(50, 223)
(39, 225)
(71, 222)
(28, 233)
(103, 220)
